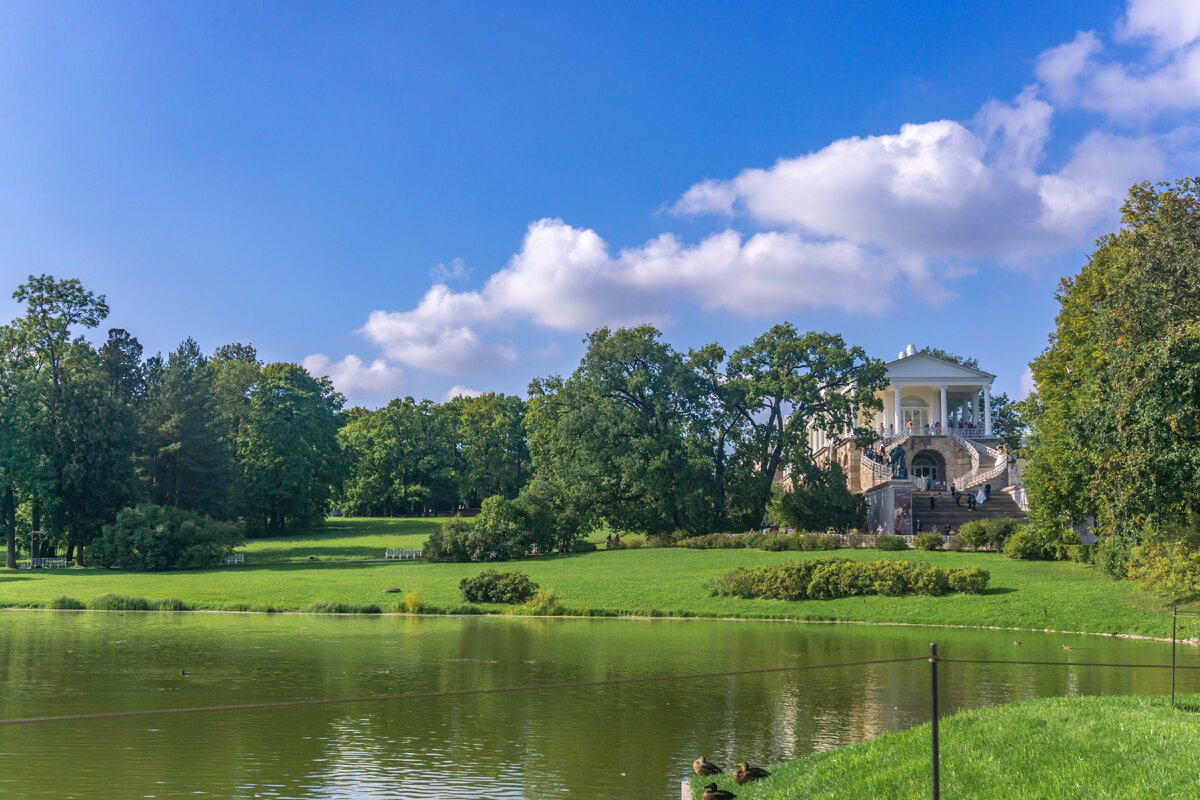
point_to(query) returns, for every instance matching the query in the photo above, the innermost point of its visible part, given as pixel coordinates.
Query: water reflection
(635, 740)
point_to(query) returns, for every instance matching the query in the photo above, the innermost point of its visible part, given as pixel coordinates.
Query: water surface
(632, 740)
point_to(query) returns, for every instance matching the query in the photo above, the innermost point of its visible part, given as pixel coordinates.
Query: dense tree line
(86, 431)
(639, 437)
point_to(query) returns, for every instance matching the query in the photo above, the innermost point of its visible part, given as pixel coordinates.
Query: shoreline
(1193, 641)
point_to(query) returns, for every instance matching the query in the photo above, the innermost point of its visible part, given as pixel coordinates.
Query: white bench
(235, 558)
(402, 553)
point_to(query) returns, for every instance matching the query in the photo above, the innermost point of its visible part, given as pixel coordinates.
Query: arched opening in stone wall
(928, 464)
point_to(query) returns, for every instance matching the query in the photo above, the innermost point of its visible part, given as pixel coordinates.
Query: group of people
(973, 498)
(933, 428)
(876, 454)
(613, 542)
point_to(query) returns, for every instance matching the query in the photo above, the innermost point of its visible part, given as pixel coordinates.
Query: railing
(44, 563)
(402, 553)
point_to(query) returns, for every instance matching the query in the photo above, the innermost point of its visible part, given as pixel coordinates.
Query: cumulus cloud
(1028, 385)
(939, 190)
(350, 376)
(566, 278)
(1167, 80)
(460, 391)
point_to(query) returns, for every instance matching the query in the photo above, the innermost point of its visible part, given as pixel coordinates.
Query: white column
(942, 411)
(896, 395)
(987, 411)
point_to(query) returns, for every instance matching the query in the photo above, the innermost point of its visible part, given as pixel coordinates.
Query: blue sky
(427, 198)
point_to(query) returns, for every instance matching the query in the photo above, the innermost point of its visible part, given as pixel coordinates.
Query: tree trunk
(10, 527)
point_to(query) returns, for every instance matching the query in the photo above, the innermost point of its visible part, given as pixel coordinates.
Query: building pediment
(924, 368)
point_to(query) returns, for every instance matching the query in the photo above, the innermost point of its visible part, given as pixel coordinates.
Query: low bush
(491, 586)
(972, 580)
(328, 607)
(829, 578)
(929, 540)
(413, 603)
(855, 539)
(542, 604)
(170, 604)
(119, 602)
(974, 534)
(633, 542)
(583, 546)
(888, 542)
(998, 531)
(65, 603)
(150, 537)
(657, 541)
(955, 544)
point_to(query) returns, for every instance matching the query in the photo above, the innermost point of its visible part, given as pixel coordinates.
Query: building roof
(924, 365)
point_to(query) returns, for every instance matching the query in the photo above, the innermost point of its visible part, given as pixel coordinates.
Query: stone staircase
(1001, 505)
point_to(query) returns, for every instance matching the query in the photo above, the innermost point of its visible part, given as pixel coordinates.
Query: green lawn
(340, 563)
(1083, 747)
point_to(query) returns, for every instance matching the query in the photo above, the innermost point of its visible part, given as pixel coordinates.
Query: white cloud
(938, 190)
(460, 391)
(456, 271)
(1167, 80)
(565, 278)
(351, 377)
(1028, 385)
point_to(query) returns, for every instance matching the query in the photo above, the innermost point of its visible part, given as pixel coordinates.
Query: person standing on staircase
(970, 502)
(987, 491)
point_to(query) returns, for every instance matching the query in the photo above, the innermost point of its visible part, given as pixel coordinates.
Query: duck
(744, 773)
(1067, 647)
(184, 673)
(702, 766)
(711, 792)
(1018, 644)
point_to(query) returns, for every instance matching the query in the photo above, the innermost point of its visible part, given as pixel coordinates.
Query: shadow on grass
(998, 590)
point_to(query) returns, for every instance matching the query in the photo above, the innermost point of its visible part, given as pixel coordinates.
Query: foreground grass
(1111, 747)
(279, 575)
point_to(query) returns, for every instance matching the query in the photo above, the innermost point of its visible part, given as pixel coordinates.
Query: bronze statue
(896, 462)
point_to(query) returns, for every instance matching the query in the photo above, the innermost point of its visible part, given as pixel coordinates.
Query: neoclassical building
(940, 414)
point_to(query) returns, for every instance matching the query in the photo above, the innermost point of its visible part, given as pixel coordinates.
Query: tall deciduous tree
(1115, 427)
(782, 385)
(288, 449)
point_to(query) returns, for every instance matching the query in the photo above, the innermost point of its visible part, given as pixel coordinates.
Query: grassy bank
(340, 564)
(1111, 747)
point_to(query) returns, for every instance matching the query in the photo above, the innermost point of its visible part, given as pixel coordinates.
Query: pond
(627, 740)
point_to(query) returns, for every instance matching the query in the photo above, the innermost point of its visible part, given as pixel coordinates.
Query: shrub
(171, 604)
(889, 542)
(542, 604)
(328, 607)
(773, 544)
(449, 542)
(974, 534)
(119, 602)
(840, 577)
(929, 540)
(971, 580)
(656, 541)
(63, 602)
(998, 531)
(954, 543)
(1114, 551)
(150, 537)
(633, 542)
(413, 603)
(930, 580)
(491, 586)
(583, 546)
(855, 539)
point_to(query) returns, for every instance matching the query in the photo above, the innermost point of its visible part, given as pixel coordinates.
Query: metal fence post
(933, 685)
(1174, 627)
